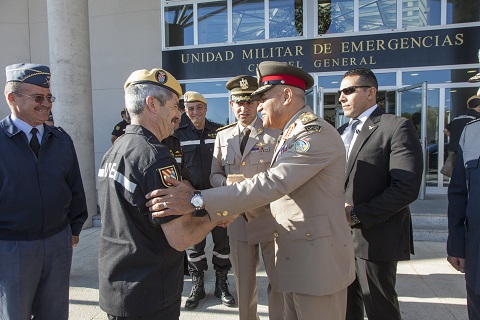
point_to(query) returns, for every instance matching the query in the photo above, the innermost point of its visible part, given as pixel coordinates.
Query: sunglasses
(349, 90)
(38, 97)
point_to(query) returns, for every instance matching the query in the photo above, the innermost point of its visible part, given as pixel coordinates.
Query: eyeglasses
(349, 90)
(38, 97)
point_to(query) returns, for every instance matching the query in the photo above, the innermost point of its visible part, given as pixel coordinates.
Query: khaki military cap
(241, 87)
(159, 77)
(192, 96)
(473, 102)
(270, 73)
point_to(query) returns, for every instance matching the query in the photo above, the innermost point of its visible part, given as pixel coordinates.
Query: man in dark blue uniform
(463, 218)
(42, 207)
(140, 259)
(197, 138)
(119, 128)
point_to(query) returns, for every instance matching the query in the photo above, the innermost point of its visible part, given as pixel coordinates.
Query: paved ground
(428, 287)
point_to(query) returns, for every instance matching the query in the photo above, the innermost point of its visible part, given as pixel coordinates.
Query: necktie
(34, 144)
(246, 133)
(349, 136)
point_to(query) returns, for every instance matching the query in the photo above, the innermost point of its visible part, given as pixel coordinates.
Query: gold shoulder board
(227, 126)
(307, 117)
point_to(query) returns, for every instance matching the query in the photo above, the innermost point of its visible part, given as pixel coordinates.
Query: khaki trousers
(306, 307)
(245, 261)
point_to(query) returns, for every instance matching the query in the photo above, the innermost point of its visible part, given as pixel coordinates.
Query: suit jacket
(463, 203)
(304, 186)
(227, 159)
(383, 176)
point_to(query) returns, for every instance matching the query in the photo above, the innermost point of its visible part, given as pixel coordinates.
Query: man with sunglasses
(383, 176)
(42, 207)
(304, 187)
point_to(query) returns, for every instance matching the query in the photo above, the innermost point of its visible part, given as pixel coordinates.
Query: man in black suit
(383, 176)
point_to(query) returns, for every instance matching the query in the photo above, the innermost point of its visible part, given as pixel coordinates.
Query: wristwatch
(354, 218)
(197, 200)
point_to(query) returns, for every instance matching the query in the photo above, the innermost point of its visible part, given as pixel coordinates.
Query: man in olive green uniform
(245, 148)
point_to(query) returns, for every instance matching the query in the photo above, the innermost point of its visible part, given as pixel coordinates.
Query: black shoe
(221, 289)
(197, 293)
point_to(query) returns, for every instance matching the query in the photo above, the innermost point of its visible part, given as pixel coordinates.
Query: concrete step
(430, 227)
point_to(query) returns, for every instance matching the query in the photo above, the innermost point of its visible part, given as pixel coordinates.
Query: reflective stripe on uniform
(189, 143)
(207, 141)
(120, 178)
(196, 259)
(221, 256)
(195, 142)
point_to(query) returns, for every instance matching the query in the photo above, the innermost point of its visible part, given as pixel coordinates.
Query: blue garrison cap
(36, 74)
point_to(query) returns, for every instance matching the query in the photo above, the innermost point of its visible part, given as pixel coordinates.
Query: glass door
(412, 104)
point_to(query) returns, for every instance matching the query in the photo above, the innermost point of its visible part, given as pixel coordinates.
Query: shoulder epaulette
(227, 126)
(183, 126)
(307, 117)
(58, 128)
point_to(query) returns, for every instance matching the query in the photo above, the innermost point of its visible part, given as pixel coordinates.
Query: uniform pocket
(310, 228)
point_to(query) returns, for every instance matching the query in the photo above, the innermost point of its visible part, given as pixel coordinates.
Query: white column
(69, 46)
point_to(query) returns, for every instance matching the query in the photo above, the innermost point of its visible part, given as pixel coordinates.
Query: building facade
(423, 52)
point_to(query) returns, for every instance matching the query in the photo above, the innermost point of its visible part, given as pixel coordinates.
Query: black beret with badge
(271, 73)
(159, 77)
(241, 87)
(31, 73)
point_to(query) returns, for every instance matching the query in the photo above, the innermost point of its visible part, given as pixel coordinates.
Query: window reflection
(286, 18)
(335, 16)
(248, 20)
(378, 15)
(461, 11)
(217, 110)
(179, 26)
(436, 76)
(421, 13)
(212, 22)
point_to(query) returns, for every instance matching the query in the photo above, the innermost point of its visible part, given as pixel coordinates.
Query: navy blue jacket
(39, 197)
(463, 205)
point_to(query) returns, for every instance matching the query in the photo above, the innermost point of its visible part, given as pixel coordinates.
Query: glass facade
(285, 18)
(211, 24)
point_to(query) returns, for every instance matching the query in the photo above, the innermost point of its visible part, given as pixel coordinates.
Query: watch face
(197, 201)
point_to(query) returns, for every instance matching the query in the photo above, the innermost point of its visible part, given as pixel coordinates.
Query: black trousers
(374, 288)
(171, 312)
(197, 261)
(473, 304)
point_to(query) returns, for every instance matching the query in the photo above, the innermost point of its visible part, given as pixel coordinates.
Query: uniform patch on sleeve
(313, 127)
(117, 128)
(170, 172)
(301, 145)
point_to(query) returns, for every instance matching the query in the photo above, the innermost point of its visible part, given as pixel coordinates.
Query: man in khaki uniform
(314, 261)
(245, 148)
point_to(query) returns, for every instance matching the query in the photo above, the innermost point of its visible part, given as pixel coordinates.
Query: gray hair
(135, 96)
(12, 86)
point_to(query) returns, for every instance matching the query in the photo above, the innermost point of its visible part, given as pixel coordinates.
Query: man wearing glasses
(42, 207)
(383, 176)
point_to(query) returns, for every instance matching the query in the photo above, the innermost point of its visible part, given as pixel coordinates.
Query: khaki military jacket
(305, 189)
(257, 224)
